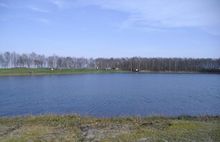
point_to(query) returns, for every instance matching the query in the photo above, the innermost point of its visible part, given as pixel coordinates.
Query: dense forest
(33, 60)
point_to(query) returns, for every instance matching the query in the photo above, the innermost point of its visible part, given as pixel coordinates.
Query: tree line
(33, 60)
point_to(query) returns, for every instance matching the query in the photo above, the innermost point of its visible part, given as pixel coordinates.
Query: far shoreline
(48, 71)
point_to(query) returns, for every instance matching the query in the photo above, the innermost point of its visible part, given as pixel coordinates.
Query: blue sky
(111, 28)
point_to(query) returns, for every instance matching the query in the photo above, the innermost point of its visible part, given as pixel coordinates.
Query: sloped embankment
(72, 128)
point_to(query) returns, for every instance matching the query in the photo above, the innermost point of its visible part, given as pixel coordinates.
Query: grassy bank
(71, 128)
(47, 71)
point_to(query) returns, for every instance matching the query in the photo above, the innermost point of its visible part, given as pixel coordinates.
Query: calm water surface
(107, 95)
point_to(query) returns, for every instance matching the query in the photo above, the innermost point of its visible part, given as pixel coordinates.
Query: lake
(106, 95)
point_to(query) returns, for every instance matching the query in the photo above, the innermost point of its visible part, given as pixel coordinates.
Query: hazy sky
(111, 28)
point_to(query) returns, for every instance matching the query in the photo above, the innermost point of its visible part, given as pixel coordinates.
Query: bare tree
(33, 60)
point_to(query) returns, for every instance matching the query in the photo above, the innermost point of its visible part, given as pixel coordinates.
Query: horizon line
(109, 57)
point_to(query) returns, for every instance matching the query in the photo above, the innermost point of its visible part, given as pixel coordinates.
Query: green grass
(73, 128)
(47, 71)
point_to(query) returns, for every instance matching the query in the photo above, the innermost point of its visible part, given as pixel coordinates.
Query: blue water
(106, 95)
